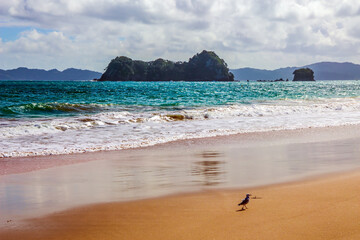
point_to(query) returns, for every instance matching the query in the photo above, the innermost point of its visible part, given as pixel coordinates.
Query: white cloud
(258, 33)
(33, 42)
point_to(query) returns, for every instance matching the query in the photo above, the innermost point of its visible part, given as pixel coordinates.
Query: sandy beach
(312, 193)
(323, 208)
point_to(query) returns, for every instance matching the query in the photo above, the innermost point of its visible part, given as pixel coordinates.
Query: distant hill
(50, 75)
(323, 71)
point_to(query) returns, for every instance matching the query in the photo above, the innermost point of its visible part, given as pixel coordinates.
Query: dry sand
(323, 208)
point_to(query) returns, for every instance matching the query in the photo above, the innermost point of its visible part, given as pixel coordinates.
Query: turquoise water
(42, 118)
(48, 99)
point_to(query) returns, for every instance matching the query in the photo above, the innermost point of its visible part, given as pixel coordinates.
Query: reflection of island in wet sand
(210, 169)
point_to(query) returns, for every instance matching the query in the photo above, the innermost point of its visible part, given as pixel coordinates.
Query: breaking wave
(94, 129)
(43, 109)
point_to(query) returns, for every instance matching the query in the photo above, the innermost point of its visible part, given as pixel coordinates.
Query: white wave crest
(122, 130)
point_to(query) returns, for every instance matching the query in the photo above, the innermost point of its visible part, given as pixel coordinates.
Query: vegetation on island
(204, 66)
(303, 74)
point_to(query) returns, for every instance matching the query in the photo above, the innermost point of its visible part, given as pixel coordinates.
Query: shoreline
(19, 165)
(322, 207)
(211, 163)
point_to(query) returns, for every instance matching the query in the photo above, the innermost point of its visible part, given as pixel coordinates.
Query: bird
(245, 201)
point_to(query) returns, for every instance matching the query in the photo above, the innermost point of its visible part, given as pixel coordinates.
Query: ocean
(63, 117)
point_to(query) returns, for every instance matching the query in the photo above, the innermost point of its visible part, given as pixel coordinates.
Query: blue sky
(264, 34)
(9, 33)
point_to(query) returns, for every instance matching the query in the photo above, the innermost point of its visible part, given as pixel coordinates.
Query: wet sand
(16, 165)
(323, 208)
(99, 192)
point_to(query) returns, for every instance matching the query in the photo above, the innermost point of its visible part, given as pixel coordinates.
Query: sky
(265, 34)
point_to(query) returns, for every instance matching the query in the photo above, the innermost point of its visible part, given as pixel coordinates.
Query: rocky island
(303, 74)
(204, 66)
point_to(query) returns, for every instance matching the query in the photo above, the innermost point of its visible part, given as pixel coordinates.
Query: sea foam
(115, 130)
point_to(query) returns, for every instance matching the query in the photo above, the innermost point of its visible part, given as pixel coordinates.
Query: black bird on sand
(245, 201)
